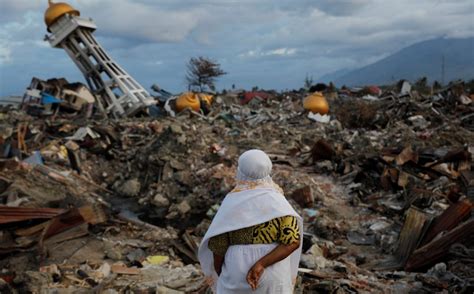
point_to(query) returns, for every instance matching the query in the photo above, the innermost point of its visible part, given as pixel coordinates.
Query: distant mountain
(418, 60)
(333, 75)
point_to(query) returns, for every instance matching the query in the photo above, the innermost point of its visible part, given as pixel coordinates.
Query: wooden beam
(413, 229)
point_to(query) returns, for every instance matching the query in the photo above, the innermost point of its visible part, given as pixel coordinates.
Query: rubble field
(385, 187)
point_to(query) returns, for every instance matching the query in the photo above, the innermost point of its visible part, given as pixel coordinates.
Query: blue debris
(49, 99)
(35, 159)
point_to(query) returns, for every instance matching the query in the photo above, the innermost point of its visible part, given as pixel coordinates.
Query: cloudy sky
(265, 43)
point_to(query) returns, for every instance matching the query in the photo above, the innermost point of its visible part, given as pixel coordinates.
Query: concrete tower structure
(117, 92)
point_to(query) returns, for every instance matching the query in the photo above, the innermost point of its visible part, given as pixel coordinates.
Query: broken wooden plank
(185, 251)
(448, 220)
(70, 219)
(412, 232)
(18, 245)
(438, 248)
(73, 233)
(124, 270)
(21, 133)
(59, 224)
(189, 240)
(92, 214)
(32, 230)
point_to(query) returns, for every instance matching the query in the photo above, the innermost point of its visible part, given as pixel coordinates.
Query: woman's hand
(254, 275)
(279, 253)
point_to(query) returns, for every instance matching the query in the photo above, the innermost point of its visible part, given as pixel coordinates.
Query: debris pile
(48, 97)
(384, 183)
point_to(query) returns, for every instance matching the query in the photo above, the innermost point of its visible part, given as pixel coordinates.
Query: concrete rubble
(385, 183)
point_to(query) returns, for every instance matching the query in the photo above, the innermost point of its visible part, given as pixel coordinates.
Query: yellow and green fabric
(283, 230)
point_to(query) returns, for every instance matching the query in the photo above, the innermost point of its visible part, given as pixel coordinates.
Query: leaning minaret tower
(117, 92)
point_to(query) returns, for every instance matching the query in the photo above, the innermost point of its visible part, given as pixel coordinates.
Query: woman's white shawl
(243, 209)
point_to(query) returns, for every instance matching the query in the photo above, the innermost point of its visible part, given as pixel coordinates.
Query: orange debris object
(316, 103)
(188, 99)
(206, 97)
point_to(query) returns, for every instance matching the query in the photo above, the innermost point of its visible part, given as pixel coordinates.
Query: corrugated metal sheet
(449, 219)
(15, 214)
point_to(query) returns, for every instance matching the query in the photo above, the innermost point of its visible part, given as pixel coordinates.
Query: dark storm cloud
(273, 44)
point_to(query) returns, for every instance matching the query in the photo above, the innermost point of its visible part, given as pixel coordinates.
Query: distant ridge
(423, 59)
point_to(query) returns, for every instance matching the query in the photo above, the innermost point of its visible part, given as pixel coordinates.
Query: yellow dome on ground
(316, 103)
(56, 10)
(188, 99)
(206, 97)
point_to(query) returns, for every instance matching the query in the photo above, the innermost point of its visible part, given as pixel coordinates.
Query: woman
(254, 242)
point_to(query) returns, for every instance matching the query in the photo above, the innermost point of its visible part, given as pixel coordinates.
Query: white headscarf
(254, 165)
(255, 200)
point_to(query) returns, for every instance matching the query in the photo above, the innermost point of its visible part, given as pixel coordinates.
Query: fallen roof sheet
(15, 214)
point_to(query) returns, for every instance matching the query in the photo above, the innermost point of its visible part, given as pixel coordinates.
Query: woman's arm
(280, 252)
(218, 262)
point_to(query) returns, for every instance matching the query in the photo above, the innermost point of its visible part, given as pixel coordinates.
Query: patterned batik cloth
(282, 230)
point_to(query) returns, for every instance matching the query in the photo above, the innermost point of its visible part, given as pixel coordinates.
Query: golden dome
(56, 10)
(206, 97)
(188, 100)
(316, 103)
